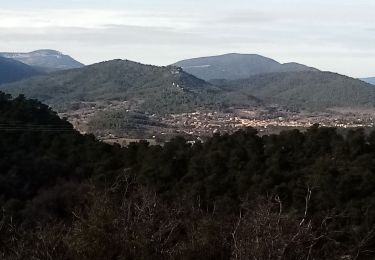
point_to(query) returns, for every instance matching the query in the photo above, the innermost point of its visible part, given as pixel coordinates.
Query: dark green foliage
(339, 169)
(121, 122)
(43, 160)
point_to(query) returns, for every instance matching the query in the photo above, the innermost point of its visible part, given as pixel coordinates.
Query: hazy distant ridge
(45, 60)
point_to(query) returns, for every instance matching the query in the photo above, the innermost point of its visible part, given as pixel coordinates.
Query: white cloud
(86, 18)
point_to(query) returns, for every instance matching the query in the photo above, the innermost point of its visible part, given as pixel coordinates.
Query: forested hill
(236, 66)
(311, 90)
(156, 88)
(12, 70)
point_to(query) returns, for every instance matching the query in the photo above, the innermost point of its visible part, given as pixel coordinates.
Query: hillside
(150, 88)
(369, 80)
(236, 66)
(312, 90)
(45, 60)
(12, 70)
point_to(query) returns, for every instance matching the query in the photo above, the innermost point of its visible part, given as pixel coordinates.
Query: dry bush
(129, 222)
(140, 226)
(264, 232)
(43, 242)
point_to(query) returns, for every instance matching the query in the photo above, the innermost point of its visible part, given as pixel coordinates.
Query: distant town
(202, 124)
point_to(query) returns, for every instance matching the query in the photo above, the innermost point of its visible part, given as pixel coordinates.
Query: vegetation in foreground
(294, 195)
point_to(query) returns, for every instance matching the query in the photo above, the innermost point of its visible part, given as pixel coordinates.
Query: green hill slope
(312, 90)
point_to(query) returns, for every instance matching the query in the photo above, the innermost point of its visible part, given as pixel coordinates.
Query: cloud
(314, 32)
(88, 18)
(246, 17)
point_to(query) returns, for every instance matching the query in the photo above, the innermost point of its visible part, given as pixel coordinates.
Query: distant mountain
(12, 70)
(369, 80)
(45, 60)
(311, 90)
(236, 66)
(155, 89)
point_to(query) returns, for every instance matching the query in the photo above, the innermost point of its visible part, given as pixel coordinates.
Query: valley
(199, 125)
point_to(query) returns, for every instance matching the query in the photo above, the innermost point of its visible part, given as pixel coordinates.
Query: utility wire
(35, 127)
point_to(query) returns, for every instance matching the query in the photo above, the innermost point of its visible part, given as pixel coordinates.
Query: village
(202, 124)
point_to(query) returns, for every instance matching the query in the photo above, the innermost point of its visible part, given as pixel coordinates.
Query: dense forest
(295, 195)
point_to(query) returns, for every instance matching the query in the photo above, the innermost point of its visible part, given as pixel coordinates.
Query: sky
(334, 35)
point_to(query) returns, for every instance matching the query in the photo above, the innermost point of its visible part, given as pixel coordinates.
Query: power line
(35, 127)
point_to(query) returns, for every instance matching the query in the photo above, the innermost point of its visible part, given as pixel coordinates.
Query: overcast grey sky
(335, 35)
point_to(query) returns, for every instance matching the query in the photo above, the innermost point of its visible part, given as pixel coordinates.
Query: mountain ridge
(234, 66)
(46, 60)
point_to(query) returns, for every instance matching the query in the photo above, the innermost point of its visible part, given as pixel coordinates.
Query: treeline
(295, 195)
